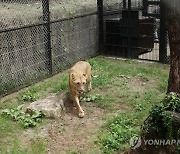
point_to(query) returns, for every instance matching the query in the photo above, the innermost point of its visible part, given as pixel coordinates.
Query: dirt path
(73, 133)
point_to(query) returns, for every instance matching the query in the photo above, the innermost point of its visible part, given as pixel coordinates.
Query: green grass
(125, 89)
(16, 148)
(40, 90)
(118, 130)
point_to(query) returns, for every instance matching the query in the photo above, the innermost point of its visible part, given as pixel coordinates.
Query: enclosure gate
(137, 29)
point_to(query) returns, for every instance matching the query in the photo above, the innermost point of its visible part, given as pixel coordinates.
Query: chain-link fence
(42, 37)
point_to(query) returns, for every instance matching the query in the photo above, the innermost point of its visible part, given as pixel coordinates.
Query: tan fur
(79, 75)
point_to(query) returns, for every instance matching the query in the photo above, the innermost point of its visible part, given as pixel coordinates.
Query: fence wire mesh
(40, 38)
(73, 40)
(23, 57)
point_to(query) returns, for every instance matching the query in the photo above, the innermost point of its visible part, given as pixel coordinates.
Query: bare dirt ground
(78, 134)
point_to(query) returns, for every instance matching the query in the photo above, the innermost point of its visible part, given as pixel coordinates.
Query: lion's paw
(81, 114)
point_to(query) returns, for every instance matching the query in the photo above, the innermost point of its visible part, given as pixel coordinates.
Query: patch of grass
(71, 152)
(118, 131)
(101, 80)
(99, 100)
(162, 85)
(38, 146)
(105, 101)
(8, 133)
(8, 103)
(42, 89)
(139, 107)
(150, 96)
(15, 147)
(61, 85)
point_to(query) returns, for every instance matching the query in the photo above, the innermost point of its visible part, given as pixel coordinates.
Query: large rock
(52, 106)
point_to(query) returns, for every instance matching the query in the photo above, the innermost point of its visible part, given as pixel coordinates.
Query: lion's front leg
(77, 104)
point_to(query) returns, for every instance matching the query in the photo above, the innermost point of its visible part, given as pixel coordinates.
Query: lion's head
(79, 81)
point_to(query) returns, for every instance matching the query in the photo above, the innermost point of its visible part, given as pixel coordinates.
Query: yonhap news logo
(136, 142)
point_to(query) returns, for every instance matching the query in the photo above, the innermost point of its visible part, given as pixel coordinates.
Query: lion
(79, 77)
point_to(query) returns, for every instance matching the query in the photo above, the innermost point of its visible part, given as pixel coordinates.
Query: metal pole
(145, 7)
(101, 25)
(47, 32)
(129, 30)
(163, 34)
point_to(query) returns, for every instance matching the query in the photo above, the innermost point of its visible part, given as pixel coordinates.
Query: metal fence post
(145, 7)
(47, 31)
(129, 29)
(163, 34)
(124, 4)
(101, 25)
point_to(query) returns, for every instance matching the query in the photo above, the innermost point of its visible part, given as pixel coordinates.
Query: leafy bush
(160, 117)
(27, 120)
(173, 102)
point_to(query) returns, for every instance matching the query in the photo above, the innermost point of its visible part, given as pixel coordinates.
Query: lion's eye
(83, 82)
(78, 83)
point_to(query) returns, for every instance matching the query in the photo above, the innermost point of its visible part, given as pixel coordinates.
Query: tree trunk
(173, 17)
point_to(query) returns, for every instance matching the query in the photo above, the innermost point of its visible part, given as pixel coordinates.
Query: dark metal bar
(47, 32)
(101, 25)
(153, 2)
(75, 17)
(124, 4)
(113, 12)
(163, 34)
(108, 13)
(129, 33)
(145, 7)
(153, 15)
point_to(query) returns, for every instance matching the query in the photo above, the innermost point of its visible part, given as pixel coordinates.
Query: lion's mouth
(80, 91)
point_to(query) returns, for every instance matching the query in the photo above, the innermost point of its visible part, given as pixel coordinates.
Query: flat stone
(52, 106)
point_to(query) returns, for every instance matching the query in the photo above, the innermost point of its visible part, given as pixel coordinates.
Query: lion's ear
(72, 76)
